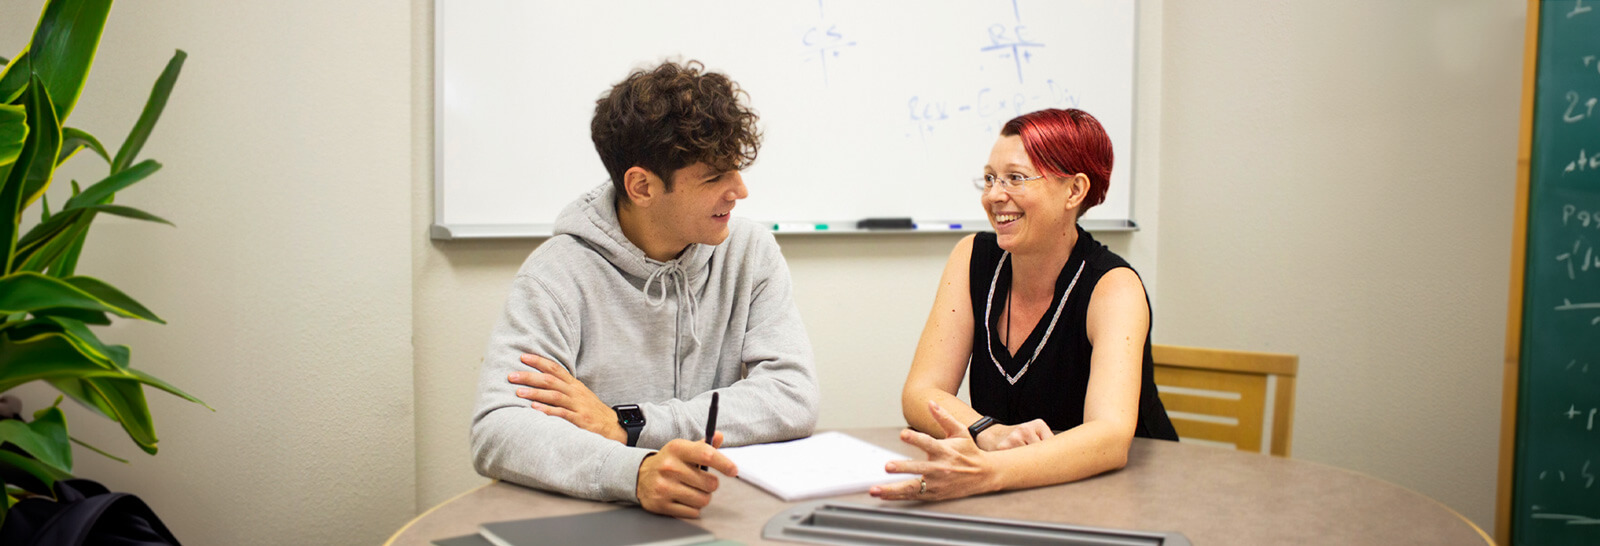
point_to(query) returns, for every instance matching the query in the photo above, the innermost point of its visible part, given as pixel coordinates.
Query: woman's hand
(998, 437)
(955, 467)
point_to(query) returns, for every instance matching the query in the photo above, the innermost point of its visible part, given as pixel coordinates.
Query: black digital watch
(979, 426)
(632, 420)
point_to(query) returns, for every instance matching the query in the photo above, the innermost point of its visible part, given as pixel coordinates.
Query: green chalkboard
(1556, 491)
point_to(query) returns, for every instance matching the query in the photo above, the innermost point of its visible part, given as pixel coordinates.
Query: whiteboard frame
(445, 232)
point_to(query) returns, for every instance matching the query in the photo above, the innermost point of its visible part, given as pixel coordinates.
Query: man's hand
(672, 483)
(998, 437)
(557, 394)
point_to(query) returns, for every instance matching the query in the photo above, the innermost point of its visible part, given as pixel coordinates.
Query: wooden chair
(1228, 397)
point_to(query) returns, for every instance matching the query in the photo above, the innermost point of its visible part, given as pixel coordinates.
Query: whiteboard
(869, 109)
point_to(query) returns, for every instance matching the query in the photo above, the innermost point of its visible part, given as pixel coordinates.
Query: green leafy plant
(46, 308)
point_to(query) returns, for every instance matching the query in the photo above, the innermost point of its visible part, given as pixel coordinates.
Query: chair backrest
(1228, 397)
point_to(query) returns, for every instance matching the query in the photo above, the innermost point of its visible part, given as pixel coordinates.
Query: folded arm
(513, 441)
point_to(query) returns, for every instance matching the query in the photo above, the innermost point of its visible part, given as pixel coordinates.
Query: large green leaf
(112, 392)
(46, 231)
(11, 196)
(100, 451)
(49, 333)
(69, 261)
(50, 424)
(13, 131)
(45, 128)
(50, 240)
(17, 433)
(37, 258)
(163, 385)
(47, 357)
(74, 139)
(45, 438)
(29, 176)
(129, 212)
(126, 397)
(27, 291)
(152, 112)
(109, 294)
(68, 264)
(28, 474)
(90, 345)
(78, 390)
(28, 329)
(64, 45)
(100, 193)
(84, 341)
(97, 318)
(104, 189)
(14, 79)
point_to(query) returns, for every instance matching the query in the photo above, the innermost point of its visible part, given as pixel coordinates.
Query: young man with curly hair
(649, 298)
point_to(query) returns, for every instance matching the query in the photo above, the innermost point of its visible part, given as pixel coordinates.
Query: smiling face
(699, 206)
(1036, 213)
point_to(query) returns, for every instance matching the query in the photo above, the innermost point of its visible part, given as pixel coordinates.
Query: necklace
(989, 307)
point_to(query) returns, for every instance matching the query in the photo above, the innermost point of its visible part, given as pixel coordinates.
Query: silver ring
(924, 489)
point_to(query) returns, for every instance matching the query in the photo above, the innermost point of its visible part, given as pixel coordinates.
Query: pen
(936, 225)
(711, 421)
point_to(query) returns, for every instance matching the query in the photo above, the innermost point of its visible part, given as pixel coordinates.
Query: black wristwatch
(632, 420)
(979, 426)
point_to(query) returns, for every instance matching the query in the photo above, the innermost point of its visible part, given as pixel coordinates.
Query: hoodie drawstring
(674, 272)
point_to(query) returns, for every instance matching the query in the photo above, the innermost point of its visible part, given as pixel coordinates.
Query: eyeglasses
(1009, 182)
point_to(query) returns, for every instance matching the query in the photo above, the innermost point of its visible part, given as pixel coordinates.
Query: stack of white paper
(828, 464)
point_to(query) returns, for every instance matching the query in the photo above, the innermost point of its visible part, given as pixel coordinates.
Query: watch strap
(979, 426)
(633, 434)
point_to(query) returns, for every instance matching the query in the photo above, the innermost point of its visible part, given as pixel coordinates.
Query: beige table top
(1211, 495)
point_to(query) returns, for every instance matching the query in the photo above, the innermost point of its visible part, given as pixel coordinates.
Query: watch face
(629, 416)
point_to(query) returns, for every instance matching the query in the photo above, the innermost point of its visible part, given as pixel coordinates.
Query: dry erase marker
(711, 422)
(937, 225)
(886, 223)
(798, 227)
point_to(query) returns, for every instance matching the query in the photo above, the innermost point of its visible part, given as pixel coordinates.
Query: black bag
(85, 512)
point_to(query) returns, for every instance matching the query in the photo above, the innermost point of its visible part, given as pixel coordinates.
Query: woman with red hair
(1054, 326)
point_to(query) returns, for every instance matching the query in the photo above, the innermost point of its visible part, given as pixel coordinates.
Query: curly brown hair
(672, 116)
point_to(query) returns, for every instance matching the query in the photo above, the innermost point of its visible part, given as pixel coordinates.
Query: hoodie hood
(592, 219)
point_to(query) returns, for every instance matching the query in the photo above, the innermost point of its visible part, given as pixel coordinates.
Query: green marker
(798, 227)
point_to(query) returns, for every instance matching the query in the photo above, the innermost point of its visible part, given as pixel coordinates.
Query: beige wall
(1327, 179)
(1346, 174)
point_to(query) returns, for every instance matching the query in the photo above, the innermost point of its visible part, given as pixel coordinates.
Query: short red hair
(1063, 143)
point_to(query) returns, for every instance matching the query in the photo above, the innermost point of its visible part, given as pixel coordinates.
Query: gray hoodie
(662, 335)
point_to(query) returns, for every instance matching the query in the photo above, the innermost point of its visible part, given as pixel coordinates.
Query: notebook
(824, 465)
(608, 528)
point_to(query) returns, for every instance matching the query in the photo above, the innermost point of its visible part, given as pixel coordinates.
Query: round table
(1211, 495)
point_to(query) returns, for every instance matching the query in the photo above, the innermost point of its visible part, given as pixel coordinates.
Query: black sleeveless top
(1054, 386)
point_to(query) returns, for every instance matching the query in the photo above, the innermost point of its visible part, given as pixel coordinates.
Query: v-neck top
(1053, 387)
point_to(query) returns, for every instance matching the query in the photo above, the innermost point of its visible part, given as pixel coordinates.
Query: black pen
(711, 422)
